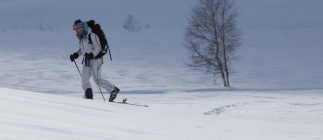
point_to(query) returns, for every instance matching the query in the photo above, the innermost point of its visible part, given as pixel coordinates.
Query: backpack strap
(90, 40)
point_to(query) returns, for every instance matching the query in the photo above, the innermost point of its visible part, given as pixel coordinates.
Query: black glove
(74, 56)
(88, 56)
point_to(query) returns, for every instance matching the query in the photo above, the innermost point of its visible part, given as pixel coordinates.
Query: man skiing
(91, 64)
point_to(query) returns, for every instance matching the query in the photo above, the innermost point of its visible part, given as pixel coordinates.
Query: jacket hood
(86, 31)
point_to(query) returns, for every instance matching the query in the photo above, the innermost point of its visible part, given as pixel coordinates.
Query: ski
(124, 101)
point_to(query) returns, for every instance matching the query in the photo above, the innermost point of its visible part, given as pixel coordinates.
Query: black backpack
(96, 29)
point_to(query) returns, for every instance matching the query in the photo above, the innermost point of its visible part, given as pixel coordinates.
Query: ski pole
(110, 54)
(97, 81)
(78, 68)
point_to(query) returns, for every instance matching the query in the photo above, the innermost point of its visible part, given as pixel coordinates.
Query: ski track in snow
(220, 109)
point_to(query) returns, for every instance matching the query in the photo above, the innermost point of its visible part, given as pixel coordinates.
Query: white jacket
(85, 47)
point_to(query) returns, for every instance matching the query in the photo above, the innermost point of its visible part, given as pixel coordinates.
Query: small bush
(131, 24)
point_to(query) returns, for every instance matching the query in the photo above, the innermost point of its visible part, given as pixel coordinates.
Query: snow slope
(281, 115)
(276, 91)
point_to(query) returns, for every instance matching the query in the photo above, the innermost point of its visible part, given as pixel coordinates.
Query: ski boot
(88, 94)
(113, 94)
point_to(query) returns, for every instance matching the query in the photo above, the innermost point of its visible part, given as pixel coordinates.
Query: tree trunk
(228, 79)
(226, 66)
(220, 65)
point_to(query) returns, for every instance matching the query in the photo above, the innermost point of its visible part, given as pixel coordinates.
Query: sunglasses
(78, 26)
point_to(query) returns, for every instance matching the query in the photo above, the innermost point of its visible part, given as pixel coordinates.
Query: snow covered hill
(276, 91)
(280, 115)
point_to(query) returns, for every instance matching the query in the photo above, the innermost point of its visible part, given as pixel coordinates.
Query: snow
(220, 115)
(276, 91)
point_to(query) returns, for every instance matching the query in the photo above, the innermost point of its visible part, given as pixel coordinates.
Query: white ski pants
(95, 65)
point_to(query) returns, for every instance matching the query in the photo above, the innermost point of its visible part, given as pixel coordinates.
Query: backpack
(96, 29)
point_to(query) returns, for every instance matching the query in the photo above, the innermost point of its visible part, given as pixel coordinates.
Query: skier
(90, 64)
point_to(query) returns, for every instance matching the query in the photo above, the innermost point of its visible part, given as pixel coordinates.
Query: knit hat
(78, 25)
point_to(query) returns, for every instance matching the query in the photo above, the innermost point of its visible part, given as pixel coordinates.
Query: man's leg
(86, 85)
(96, 66)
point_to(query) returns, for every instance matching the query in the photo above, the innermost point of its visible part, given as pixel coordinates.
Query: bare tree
(147, 26)
(50, 28)
(131, 24)
(212, 38)
(41, 26)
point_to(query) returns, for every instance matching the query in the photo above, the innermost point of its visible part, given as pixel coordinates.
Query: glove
(88, 56)
(74, 56)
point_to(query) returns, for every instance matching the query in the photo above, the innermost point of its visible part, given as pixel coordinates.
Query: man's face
(79, 32)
